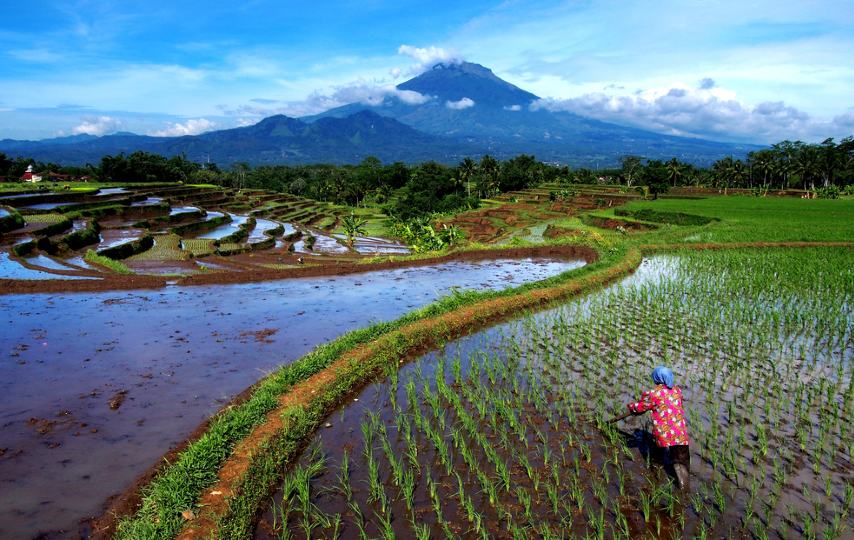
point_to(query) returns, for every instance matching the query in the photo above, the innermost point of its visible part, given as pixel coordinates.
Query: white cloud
(427, 57)
(708, 111)
(97, 125)
(463, 103)
(513, 108)
(193, 126)
(371, 93)
(411, 97)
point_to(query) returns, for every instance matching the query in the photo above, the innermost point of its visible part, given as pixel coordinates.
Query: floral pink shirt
(668, 417)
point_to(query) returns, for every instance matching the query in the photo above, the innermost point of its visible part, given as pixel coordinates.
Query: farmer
(668, 421)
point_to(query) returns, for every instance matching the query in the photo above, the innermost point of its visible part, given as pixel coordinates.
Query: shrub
(829, 192)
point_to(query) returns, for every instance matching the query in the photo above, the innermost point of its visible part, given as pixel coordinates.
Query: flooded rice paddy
(12, 269)
(95, 387)
(503, 434)
(224, 230)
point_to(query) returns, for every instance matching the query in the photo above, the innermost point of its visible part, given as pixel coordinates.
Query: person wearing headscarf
(668, 420)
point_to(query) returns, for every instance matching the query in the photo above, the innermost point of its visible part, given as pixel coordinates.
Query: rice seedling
(509, 427)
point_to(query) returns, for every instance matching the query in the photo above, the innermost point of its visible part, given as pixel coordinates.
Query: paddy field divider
(215, 486)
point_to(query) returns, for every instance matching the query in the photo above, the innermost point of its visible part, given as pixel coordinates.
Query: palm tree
(830, 158)
(807, 164)
(489, 166)
(353, 226)
(738, 173)
(675, 170)
(468, 168)
(722, 171)
(763, 163)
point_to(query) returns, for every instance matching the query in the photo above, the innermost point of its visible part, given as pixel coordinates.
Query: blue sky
(749, 70)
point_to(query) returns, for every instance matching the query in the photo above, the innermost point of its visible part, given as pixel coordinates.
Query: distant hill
(274, 140)
(466, 111)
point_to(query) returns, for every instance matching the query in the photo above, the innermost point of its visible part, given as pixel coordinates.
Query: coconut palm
(808, 165)
(675, 170)
(489, 168)
(468, 168)
(763, 163)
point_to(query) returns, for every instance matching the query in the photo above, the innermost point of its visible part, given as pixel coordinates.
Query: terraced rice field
(276, 229)
(501, 434)
(504, 434)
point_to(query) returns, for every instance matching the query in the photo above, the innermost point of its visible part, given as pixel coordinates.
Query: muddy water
(224, 230)
(182, 210)
(12, 269)
(110, 191)
(95, 387)
(114, 237)
(257, 233)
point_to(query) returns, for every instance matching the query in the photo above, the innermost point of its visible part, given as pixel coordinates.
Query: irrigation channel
(501, 434)
(95, 387)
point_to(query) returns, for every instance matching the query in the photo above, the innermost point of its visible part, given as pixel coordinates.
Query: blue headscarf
(662, 375)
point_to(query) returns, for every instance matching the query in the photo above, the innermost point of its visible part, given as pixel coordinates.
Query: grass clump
(45, 218)
(167, 247)
(106, 262)
(199, 247)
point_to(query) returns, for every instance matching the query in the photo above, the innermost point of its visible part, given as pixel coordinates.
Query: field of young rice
(503, 434)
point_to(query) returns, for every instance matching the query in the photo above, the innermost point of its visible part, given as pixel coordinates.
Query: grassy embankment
(180, 485)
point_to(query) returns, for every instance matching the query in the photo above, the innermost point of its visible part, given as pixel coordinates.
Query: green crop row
(507, 433)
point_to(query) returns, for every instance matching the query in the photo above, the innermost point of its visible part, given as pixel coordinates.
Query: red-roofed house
(30, 176)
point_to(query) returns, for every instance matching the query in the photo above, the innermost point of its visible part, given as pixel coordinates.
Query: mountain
(501, 120)
(275, 140)
(446, 113)
(453, 82)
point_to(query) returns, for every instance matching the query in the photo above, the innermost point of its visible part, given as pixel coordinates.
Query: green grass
(44, 218)
(752, 219)
(166, 247)
(199, 247)
(106, 262)
(377, 225)
(77, 187)
(282, 266)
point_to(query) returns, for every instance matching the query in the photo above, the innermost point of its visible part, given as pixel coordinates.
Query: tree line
(410, 190)
(784, 165)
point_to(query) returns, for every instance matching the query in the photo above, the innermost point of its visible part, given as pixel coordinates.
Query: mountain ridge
(466, 111)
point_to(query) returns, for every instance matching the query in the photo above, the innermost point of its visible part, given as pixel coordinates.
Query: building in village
(30, 176)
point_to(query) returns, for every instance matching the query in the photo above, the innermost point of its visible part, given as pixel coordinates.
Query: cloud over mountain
(97, 125)
(461, 104)
(194, 126)
(427, 57)
(707, 111)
